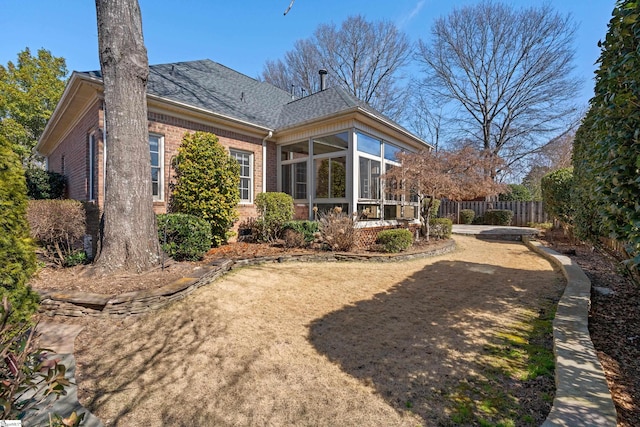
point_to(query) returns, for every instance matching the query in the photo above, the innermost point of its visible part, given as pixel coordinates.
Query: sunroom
(345, 169)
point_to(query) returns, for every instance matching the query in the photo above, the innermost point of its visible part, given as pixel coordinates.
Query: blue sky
(244, 34)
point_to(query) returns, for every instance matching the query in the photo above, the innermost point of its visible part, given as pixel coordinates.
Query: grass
(520, 352)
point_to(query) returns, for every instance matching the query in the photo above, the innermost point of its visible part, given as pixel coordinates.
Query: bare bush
(58, 226)
(338, 230)
(293, 239)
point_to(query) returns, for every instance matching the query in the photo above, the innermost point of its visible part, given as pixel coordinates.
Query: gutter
(264, 161)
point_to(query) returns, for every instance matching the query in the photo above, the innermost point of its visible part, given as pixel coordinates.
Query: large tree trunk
(129, 238)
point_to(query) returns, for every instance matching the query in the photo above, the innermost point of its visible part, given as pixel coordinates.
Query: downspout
(264, 161)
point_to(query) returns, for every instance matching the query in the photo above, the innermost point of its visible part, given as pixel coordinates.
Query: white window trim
(160, 196)
(232, 152)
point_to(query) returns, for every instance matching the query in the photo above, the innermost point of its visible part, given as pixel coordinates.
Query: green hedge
(467, 216)
(395, 240)
(440, 228)
(557, 194)
(498, 217)
(183, 236)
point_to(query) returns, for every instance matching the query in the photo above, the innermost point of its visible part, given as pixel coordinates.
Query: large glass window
(369, 178)
(368, 144)
(331, 143)
(331, 177)
(245, 160)
(294, 180)
(391, 152)
(155, 149)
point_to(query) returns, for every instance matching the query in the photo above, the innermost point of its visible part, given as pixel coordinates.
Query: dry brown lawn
(313, 344)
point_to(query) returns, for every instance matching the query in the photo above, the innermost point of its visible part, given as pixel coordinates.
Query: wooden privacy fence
(523, 212)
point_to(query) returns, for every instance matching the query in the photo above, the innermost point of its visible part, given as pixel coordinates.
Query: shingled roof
(207, 85)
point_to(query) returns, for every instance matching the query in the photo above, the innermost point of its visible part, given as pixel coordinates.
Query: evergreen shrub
(42, 184)
(17, 254)
(467, 216)
(440, 228)
(307, 228)
(183, 236)
(498, 217)
(274, 210)
(207, 183)
(395, 240)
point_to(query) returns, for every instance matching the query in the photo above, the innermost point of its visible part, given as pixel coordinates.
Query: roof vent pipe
(323, 79)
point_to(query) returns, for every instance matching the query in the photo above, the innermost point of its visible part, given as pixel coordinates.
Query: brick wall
(71, 156)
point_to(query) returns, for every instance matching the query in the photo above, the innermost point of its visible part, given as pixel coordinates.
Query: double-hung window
(245, 160)
(156, 143)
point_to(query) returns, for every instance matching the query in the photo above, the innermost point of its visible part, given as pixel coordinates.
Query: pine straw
(317, 344)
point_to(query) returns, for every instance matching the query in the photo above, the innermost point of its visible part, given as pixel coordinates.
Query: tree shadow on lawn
(421, 344)
(127, 373)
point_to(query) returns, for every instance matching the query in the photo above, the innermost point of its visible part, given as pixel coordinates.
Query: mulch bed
(614, 322)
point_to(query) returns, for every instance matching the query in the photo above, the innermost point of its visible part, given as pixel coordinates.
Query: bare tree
(365, 58)
(129, 239)
(508, 72)
(455, 175)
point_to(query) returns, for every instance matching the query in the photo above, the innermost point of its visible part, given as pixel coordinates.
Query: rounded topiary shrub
(498, 217)
(467, 216)
(395, 240)
(17, 254)
(184, 237)
(440, 228)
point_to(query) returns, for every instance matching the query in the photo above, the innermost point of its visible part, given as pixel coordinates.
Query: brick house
(325, 149)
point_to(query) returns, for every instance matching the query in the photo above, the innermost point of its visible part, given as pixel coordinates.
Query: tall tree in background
(129, 239)
(364, 58)
(506, 73)
(29, 92)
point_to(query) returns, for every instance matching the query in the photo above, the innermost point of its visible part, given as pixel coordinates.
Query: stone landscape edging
(77, 303)
(582, 395)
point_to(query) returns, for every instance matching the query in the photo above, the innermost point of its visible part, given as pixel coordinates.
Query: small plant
(307, 228)
(467, 216)
(394, 240)
(337, 230)
(76, 258)
(498, 217)
(58, 226)
(183, 236)
(274, 209)
(27, 376)
(441, 228)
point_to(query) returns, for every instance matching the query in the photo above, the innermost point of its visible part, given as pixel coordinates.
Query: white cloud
(404, 20)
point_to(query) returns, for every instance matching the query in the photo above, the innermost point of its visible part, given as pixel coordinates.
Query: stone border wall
(76, 304)
(582, 394)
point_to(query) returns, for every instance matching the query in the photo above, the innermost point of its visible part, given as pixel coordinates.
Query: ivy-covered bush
(42, 184)
(467, 216)
(58, 226)
(184, 236)
(498, 217)
(440, 228)
(338, 230)
(433, 211)
(557, 195)
(17, 255)
(274, 210)
(207, 183)
(395, 240)
(307, 229)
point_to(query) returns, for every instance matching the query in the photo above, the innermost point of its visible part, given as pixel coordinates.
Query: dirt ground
(321, 344)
